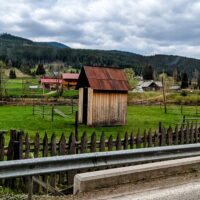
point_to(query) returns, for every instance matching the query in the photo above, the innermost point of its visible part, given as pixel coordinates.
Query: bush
(183, 93)
(12, 74)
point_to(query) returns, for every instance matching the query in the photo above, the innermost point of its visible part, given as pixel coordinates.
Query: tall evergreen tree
(148, 72)
(184, 81)
(40, 70)
(12, 74)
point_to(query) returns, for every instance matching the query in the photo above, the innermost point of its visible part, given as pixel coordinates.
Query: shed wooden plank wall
(109, 108)
(80, 105)
(90, 103)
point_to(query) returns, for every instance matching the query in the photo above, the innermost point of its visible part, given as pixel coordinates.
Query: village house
(149, 85)
(67, 80)
(70, 80)
(50, 83)
(102, 96)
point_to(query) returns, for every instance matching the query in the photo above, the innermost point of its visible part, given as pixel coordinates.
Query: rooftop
(103, 78)
(70, 76)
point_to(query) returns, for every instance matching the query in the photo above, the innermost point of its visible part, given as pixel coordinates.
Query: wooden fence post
(62, 145)
(126, 140)
(72, 150)
(131, 140)
(182, 135)
(102, 142)
(20, 135)
(45, 146)
(110, 143)
(156, 139)
(163, 137)
(62, 151)
(36, 187)
(10, 156)
(45, 154)
(196, 133)
(149, 138)
(36, 145)
(187, 134)
(10, 151)
(145, 139)
(118, 142)
(191, 134)
(53, 153)
(72, 144)
(84, 143)
(169, 136)
(2, 144)
(176, 135)
(138, 140)
(27, 146)
(93, 142)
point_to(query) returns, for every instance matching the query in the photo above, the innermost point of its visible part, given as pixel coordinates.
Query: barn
(70, 80)
(102, 96)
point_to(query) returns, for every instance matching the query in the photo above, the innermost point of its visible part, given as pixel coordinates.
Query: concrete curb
(89, 181)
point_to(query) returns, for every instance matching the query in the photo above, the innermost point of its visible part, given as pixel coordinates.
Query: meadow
(20, 88)
(139, 117)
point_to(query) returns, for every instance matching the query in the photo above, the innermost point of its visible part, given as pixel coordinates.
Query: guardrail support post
(30, 187)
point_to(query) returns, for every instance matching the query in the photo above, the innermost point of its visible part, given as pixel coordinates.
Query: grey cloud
(141, 26)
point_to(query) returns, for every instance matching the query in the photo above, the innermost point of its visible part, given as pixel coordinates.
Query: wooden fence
(21, 147)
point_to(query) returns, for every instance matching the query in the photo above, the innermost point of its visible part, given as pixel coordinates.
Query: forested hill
(24, 53)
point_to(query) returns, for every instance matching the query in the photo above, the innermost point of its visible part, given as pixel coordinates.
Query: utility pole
(164, 96)
(1, 95)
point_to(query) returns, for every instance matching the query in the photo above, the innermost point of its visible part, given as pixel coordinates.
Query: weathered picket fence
(21, 147)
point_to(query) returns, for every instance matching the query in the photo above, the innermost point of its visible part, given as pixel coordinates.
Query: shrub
(183, 93)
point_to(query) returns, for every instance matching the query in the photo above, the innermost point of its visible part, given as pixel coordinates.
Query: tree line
(25, 54)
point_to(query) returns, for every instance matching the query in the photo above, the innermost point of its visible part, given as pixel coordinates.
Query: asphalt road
(178, 187)
(190, 191)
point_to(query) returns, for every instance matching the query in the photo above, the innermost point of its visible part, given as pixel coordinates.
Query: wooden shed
(102, 96)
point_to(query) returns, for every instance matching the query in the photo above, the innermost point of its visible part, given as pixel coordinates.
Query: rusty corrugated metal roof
(102, 78)
(70, 76)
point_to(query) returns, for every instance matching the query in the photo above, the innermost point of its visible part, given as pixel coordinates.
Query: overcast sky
(146, 27)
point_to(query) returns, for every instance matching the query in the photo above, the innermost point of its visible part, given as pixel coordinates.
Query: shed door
(85, 104)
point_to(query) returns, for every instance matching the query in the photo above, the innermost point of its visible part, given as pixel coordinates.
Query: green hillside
(24, 53)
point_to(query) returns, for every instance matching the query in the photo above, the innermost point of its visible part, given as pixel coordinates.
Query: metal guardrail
(39, 166)
(47, 165)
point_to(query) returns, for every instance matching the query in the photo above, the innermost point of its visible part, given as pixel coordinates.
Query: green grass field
(18, 87)
(139, 117)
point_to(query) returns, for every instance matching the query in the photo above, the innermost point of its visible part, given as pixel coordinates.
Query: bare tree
(2, 80)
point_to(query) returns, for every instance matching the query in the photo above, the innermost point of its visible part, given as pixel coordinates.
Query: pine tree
(184, 81)
(12, 74)
(147, 72)
(40, 70)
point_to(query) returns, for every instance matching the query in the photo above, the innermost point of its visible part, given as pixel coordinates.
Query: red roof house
(50, 83)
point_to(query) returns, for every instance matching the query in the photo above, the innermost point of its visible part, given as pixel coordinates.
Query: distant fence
(21, 147)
